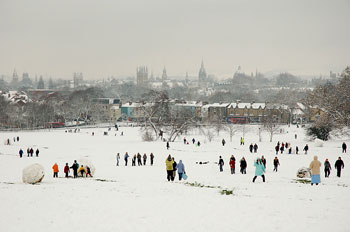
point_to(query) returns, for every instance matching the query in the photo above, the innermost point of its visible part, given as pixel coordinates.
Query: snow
(33, 174)
(141, 199)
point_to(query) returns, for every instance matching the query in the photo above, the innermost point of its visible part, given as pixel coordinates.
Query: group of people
(30, 152)
(186, 142)
(232, 163)
(285, 146)
(82, 170)
(8, 141)
(172, 167)
(253, 148)
(137, 157)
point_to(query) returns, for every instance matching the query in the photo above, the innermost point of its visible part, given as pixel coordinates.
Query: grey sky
(102, 38)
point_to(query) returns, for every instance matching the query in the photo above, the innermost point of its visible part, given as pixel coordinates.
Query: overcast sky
(103, 38)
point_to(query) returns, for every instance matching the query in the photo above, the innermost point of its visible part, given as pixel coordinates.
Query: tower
(141, 75)
(164, 75)
(202, 76)
(14, 76)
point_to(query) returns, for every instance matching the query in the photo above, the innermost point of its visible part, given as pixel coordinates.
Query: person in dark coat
(31, 152)
(276, 163)
(193, 140)
(306, 148)
(277, 149)
(255, 148)
(139, 162)
(344, 147)
(223, 142)
(88, 171)
(152, 157)
(75, 167)
(243, 165)
(251, 148)
(263, 161)
(339, 165)
(221, 164)
(17, 138)
(144, 159)
(327, 168)
(37, 152)
(174, 167)
(28, 152)
(167, 145)
(126, 157)
(133, 161)
(66, 170)
(20, 153)
(198, 144)
(296, 150)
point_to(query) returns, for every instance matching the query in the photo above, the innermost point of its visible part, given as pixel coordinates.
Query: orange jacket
(55, 168)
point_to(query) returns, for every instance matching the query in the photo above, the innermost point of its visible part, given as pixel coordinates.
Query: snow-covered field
(141, 199)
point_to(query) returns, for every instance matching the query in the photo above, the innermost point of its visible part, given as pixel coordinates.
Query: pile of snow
(319, 143)
(85, 163)
(33, 174)
(304, 172)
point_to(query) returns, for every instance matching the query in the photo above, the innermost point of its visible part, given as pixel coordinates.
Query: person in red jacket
(66, 170)
(232, 164)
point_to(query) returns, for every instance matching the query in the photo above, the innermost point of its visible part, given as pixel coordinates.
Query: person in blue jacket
(180, 169)
(259, 169)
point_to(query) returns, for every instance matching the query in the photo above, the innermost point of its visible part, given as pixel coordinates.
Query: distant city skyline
(112, 38)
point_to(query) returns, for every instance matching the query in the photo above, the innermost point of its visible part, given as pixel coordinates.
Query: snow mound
(319, 143)
(33, 174)
(304, 172)
(86, 162)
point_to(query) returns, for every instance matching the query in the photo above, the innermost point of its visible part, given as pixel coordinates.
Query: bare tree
(207, 132)
(232, 129)
(271, 126)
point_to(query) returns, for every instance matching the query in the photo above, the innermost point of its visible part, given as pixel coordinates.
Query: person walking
(243, 165)
(126, 157)
(37, 152)
(259, 169)
(277, 149)
(75, 167)
(139, 162)
(255, 148)
(169, 168)
(221, 164)
(117, 158)
(276, 163)
(167, 145)
(144, 159)
(296, 150)
(306, 148)
(344, 147)
(28, 152)
(263, 161)
(193, 140)
(251, 146)
(339, 165)
(55, 170)
(133, 161)
(31, 152)
(315, 167)
(242, 141)
(327, 168)
(223, 142)
(232, 164)
(152, 157)
(180, 169)
(174, 167)
(66, 170)
(88, 171)
(20, 153)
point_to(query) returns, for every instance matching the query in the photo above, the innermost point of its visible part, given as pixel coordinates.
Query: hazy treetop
(110, 37)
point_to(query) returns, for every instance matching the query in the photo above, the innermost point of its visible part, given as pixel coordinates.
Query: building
(77, 80)
(106, 109)
(202, 76)
(142, 76)
(251, 112)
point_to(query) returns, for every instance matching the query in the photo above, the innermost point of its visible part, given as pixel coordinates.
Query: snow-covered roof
(247, 105)
(301, 106)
